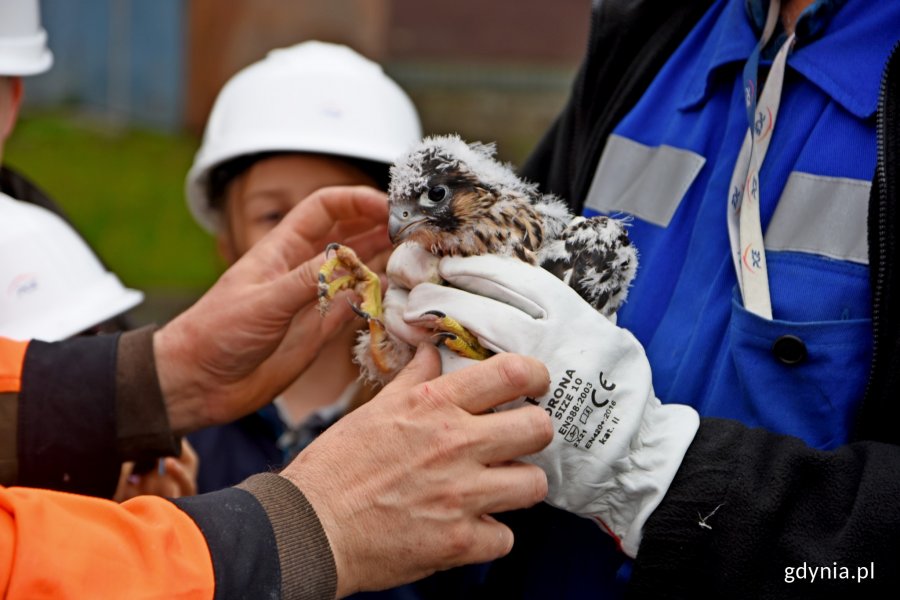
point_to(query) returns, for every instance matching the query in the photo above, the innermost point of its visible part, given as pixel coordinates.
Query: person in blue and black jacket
(751, 434)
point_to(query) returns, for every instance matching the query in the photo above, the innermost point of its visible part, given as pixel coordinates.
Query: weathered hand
(258, 327)
(404, 484)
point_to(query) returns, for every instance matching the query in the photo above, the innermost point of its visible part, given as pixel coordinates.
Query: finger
(294, 290)
(425, 366)
(378, 263)
(506, 279)
(295, 238)
(146, 485)
(495, 381)
(328, 207)
(394, 303)
(189, 457)
(154, 484)
(306, 334)
(487, 318)
(510, 434)
(168, 489)
(180, 478)
(511, 487)
(123, 488)
(492, 540)
(347, 232)
(295, 294)
(369, 243)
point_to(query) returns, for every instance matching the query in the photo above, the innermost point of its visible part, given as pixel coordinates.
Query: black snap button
(789, 349)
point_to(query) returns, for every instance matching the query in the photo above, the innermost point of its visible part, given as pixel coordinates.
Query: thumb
(425, 366)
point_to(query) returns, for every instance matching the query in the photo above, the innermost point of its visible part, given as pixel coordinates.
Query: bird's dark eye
(438, 193)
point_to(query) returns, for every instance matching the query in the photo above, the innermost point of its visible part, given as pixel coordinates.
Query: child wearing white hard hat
(305, 117)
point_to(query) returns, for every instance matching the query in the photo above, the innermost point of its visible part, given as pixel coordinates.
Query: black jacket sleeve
(67, 416)
(85, 406)
(265, 540)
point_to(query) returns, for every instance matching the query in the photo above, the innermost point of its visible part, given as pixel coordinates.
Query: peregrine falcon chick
(455, 199)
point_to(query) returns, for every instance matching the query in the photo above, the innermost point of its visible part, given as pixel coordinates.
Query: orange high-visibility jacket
(60, 545)
(54, 544)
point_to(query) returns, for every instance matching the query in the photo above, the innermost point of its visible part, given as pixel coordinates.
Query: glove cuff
(667, 431)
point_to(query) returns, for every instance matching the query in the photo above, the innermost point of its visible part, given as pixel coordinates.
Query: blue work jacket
(669, 164)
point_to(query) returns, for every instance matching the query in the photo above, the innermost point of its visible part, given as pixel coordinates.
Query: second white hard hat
(312, 97)
(23, 42)
(52, 286)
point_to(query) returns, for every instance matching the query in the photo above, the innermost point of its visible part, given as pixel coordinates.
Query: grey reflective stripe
(645, 181)
(822, 215)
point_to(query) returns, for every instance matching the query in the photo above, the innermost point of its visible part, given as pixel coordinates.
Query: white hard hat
(23, 42)
(312, 97)
(52, 286)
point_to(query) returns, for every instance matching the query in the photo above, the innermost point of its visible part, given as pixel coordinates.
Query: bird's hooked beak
(402, 222)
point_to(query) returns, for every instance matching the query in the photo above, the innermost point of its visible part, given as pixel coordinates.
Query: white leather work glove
(408, 266)
(616, 447)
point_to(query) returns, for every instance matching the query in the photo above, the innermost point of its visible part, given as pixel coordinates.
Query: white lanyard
(744, 228)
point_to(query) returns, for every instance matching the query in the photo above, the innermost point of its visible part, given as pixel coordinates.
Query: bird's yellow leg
(458, 338)
(344, 271)
(329, 288)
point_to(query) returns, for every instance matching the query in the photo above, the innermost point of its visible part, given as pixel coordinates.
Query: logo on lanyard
(762, 120)
(744, 226)
(736, 198)
(755, 257)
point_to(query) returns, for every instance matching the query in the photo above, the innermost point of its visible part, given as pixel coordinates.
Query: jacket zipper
(884, 250)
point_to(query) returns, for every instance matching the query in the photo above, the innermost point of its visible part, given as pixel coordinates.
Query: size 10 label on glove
(583, 410)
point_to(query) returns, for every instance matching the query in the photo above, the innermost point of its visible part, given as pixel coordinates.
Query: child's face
(261, 196)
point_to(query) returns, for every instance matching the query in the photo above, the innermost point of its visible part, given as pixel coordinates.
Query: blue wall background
(124, 59)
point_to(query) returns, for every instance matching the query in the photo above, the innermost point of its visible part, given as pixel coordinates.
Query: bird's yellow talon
(458, 338)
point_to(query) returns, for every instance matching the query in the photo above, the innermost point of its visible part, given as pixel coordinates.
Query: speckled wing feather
(596, 258)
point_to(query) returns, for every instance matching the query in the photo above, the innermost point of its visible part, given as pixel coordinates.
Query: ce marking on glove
(606, 386)
(575, 404)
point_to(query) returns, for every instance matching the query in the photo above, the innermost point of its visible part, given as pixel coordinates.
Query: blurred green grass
(123, 190)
